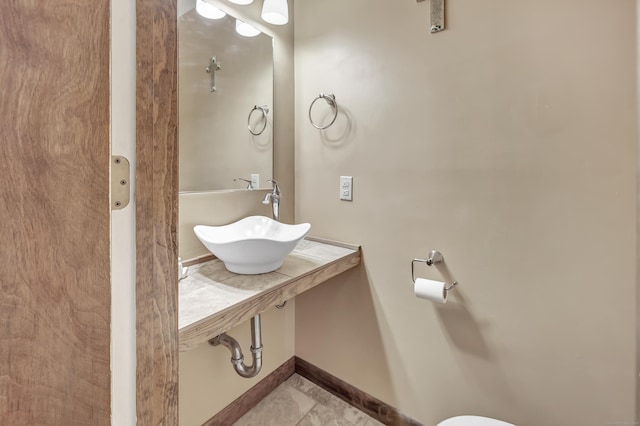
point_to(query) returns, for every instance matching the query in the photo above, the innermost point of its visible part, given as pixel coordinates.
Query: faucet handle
(276, 188)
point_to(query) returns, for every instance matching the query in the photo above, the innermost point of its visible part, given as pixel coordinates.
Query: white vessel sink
(253, 245)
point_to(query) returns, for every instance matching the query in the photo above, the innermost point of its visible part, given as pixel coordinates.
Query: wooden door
(54, 213)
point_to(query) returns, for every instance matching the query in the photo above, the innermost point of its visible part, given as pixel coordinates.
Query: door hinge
(120, 188)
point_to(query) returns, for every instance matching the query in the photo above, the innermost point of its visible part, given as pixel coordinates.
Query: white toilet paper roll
(430, 290)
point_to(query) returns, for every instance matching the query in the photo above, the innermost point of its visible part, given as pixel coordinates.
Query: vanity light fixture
(275, 12)
(243, 2)
(245, 29)
(208, 11)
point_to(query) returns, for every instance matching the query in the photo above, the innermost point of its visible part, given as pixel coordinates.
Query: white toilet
(473, 421)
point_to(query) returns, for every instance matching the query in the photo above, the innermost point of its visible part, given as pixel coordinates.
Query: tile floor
(299, 402)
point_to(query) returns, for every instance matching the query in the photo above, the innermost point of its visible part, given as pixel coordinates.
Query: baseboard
(366, 403)
(232, 412)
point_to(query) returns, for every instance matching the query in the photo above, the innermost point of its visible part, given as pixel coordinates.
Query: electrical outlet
(255, 180)
(346, 188)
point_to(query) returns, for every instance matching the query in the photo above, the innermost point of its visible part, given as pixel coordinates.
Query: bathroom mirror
(215, 142)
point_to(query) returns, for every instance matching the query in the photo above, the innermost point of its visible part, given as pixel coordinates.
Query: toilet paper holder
(434, 258)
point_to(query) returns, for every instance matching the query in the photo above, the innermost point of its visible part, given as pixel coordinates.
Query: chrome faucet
(249, 183)
(273, 197)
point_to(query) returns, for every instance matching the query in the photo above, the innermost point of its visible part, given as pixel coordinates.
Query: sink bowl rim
(223, 233)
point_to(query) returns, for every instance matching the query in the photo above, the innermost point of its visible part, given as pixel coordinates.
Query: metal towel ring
(265, 110)
(331, 100)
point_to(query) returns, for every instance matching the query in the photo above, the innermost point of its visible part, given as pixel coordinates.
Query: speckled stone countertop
(213, 300)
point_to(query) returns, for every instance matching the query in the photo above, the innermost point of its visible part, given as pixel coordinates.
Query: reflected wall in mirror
(215, 144)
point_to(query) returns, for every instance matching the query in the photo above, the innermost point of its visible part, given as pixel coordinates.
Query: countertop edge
(201, 331)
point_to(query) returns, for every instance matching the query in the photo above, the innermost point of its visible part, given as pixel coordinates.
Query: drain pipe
(237, 359)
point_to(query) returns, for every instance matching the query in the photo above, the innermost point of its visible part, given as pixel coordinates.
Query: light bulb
(245, 29)
(208, 11)
(275, 12)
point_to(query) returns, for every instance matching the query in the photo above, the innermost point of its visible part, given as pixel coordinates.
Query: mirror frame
(248, 153)
(156, 212)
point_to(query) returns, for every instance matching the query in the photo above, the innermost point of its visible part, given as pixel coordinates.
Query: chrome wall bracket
(437, 15)
(213, 66)
(435, 258)
(120, 188)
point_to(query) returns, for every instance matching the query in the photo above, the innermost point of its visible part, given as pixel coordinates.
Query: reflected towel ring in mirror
(265, 110)
(331, 100)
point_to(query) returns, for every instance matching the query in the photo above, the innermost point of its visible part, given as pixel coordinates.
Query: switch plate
(255, 180)
(346, 188)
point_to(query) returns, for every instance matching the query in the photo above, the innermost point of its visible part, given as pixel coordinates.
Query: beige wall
(507, 142)
(207, 380)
